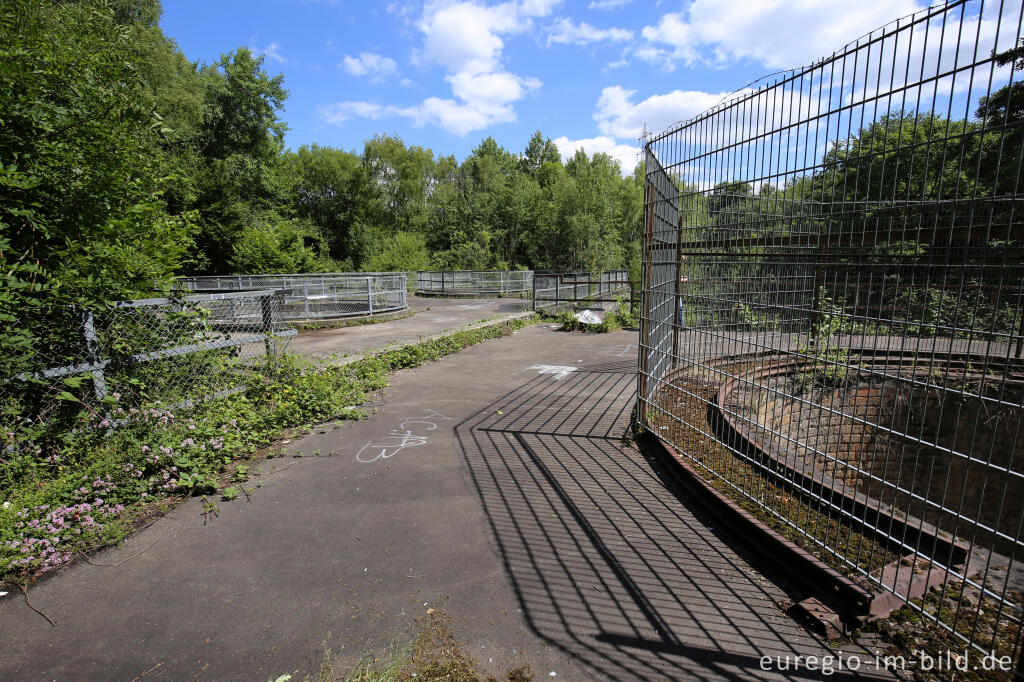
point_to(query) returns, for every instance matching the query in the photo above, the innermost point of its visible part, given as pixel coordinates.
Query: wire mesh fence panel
(551, 290)
(35, 377)
(110, 361)
(318, 295)
(831, 329)
(474, 281)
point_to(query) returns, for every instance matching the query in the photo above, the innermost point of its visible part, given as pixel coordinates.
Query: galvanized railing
(317, 295)
(468, 282)
(551, 290)
(833, 313)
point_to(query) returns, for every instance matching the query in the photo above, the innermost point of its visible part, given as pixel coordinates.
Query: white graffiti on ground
(447, 319)
(558, 371)
(400, 438)
(472, 306)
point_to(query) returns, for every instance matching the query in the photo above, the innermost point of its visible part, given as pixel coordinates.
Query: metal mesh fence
(551, 290)
(832, 311)
(317, 295)
(474, 281)
(172, 352)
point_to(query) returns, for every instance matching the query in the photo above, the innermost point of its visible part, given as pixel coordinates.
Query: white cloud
(538, 8)
(608, 4)
(342, 111)
(625, 154)
(271, 51)
(403, 11)
(486, 90)
(456, 117)
(376, 66)
(483, 99)
(467, 39)
(566, 32)
(777, 34)
(619, 116)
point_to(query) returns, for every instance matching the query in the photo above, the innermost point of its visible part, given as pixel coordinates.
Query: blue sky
(446, 74)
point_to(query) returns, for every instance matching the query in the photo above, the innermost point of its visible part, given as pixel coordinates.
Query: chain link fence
(468, 282)
(172, 352)
(317, 295)
(833, 308)
(551, 290)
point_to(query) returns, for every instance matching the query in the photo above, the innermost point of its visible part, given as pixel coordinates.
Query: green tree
(271, 244)
(903, 157)
(539, 150)
(403, 252)
(81, 166)
(239, 143)
(1003, 110)
(402, 177)
(330, 188)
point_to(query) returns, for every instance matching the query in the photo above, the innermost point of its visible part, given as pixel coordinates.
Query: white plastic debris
(588, 317)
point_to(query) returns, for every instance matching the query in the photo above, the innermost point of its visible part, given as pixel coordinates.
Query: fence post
(267, 314)
(305, 297)
(369, 293)
(92, 349)
(533, 296)
(239, 282)
(677, 302)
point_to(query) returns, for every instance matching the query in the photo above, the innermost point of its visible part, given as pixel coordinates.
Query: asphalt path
(431, 316)
(494, 484)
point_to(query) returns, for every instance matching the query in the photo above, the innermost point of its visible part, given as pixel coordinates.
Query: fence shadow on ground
(610, 564)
